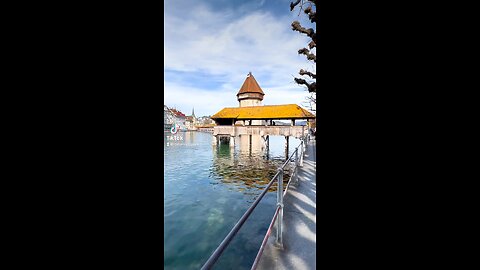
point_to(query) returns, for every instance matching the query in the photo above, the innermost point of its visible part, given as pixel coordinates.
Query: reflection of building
(251, 144)
(245, 171)
(189, 137)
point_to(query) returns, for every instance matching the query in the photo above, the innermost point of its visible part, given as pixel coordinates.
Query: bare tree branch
(296, 26)
(312, 15)
(312, 87)
(292, 5)
(304, 72)
(311, 99)
(310, 56)
(310, 11)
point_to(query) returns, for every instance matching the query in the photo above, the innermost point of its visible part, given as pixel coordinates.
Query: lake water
(208, 188)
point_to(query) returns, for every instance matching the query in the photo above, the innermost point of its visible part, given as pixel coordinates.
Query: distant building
(167, 118)
(206, 120)
(191, 121)
(172, 116)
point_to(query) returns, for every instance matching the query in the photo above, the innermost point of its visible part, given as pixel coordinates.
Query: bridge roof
(287, 111)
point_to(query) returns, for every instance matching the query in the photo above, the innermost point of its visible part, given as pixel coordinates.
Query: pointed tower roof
(250, 86)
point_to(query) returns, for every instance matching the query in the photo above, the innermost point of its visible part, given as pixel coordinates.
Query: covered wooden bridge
(259, 120)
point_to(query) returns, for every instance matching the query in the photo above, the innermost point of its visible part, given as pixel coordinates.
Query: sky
(211, 46)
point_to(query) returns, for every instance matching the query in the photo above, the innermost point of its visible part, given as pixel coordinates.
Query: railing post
(303, 153)
(280, 204)
(296, 165)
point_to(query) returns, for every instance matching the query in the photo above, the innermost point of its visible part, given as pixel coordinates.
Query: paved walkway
(299, 223)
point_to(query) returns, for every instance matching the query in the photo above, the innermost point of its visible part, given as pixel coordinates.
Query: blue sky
(210, 46)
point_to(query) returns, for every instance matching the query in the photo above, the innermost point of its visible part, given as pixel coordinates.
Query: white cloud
(206, 102)
(227, 45)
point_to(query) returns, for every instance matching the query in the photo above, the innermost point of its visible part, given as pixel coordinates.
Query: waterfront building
(171, 116)
(167, 118)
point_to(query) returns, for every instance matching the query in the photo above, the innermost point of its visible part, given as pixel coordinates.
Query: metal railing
(278, 212)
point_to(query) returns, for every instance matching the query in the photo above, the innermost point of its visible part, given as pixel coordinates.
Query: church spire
(193, 111)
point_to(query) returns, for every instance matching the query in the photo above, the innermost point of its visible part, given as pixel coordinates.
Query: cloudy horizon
(211, 46)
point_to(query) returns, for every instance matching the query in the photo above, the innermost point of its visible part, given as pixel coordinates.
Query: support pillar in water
(267, 142)
(214, 140)
(232, 141)
(250, 144)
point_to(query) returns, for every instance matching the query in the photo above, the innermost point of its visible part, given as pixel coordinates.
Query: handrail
(223, 245)
(216, 254)
(277, 210)
(269, 230)
(286, 161)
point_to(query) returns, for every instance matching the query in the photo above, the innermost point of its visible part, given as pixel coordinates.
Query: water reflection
(246, 167)
(207, 190)
(252, 145)
(190, 136)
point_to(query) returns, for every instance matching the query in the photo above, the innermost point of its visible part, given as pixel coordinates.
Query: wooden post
(250, 143)
(268, 144)
(268, 151)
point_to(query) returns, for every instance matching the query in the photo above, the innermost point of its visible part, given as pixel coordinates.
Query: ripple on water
(215, 218)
